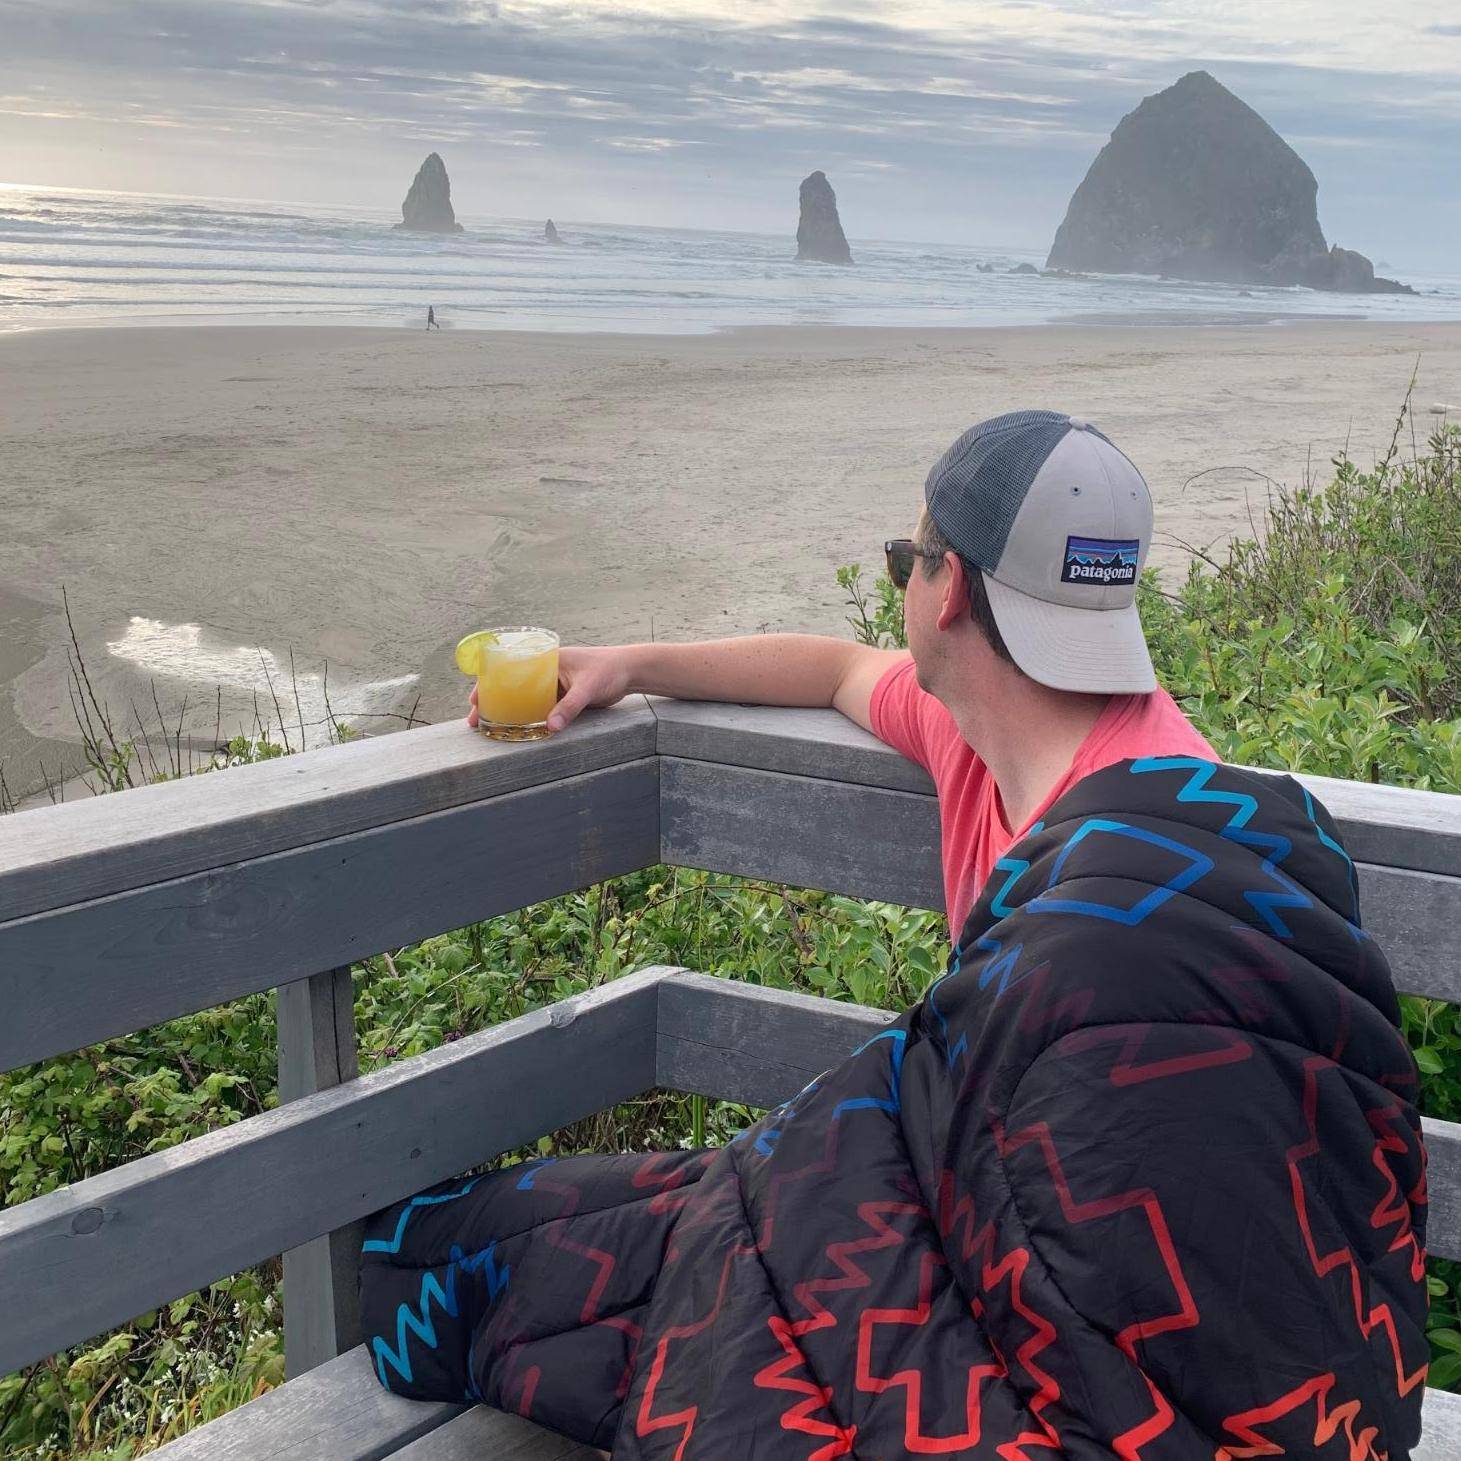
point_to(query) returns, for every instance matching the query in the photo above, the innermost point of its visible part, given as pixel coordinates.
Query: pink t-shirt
(975, 836)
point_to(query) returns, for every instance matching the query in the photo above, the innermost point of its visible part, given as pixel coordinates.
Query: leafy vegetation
(1332, 644)
(68, 1119)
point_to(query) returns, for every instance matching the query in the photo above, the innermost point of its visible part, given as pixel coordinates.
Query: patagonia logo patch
(1100, 560)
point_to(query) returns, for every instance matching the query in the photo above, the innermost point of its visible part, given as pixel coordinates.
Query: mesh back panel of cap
(976, 487)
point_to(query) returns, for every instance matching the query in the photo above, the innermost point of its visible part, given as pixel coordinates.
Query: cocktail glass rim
(500, 629)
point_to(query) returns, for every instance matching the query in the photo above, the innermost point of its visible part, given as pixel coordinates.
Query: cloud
(648, 144)
(698, 109)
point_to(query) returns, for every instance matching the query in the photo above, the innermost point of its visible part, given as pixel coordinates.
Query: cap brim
(1096, 651)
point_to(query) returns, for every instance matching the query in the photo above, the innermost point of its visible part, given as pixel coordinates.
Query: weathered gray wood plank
(81, 974)
(339, 1412)
(317, 1050)
(1416, 919)
(52, 856)
(481, 1434)
(739, 1042)
(1389, 825)
(870, 843)
(859, 840)
(84, 1258)
(1443, 1187)
(1440, 1428)
(821, 743)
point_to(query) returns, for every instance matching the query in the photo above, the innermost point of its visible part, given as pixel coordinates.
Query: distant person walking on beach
(431, 317)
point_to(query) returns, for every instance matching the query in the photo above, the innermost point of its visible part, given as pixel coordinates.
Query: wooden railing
(122, 911)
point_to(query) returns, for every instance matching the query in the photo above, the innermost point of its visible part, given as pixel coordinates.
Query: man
(1026, 667)
(1140, 1176)
(431, 323)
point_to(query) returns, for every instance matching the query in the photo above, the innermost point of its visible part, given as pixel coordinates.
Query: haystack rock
(550, 234)
(427, 208)
(819, 234)
(1194, 184)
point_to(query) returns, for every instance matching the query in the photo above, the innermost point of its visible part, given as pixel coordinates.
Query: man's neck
(1027, 735)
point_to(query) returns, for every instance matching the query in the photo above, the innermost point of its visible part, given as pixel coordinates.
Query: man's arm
(762, 669)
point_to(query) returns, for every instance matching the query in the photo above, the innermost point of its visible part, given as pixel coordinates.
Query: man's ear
(955, 601)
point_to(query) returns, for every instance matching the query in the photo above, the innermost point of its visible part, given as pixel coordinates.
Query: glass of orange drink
(517, 679)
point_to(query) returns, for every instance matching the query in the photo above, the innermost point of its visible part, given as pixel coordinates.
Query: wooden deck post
(317, 1050)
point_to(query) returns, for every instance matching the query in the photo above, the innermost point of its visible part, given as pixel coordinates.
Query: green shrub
(1332, 644)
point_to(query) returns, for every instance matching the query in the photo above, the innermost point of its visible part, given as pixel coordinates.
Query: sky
(937, 120)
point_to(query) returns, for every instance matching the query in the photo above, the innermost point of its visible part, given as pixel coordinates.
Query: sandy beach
(212, 498)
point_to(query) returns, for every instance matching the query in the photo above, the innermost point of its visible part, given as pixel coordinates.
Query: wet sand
(213, 497)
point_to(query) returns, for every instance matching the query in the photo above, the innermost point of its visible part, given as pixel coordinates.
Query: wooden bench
(120, 912)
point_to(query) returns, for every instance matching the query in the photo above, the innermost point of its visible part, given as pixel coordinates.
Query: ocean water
(75, 258)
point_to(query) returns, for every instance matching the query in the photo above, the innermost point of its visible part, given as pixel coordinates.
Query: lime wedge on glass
(469, 651)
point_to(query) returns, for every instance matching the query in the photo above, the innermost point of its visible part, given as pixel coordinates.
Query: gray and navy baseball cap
(1059, 522)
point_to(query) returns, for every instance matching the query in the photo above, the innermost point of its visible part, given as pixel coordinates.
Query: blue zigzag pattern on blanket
(894, 1100)
(1245, 807)
(953, 1051)
(1198, 866)
(1000, 965)
(418, 1319)
(768, 1129)
(1354, 879)
(1016, 868)
(426, 1199)
(768, 1136)
(530, 1171)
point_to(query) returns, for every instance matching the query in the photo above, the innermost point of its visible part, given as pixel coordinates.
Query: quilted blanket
(1140, 1176)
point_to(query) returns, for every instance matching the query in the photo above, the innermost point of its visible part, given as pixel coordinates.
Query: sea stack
(427, 208)
(819, 234)
(550, 234)
(1194, 184)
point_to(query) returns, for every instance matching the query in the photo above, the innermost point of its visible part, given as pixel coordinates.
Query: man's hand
(586, 677)
(757, 669)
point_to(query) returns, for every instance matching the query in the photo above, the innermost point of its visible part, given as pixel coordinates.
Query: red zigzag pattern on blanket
(1391, 1209)
(779, 1374)
(1128, 1444)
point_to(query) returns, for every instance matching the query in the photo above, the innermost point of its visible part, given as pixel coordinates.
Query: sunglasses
(900, 554)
